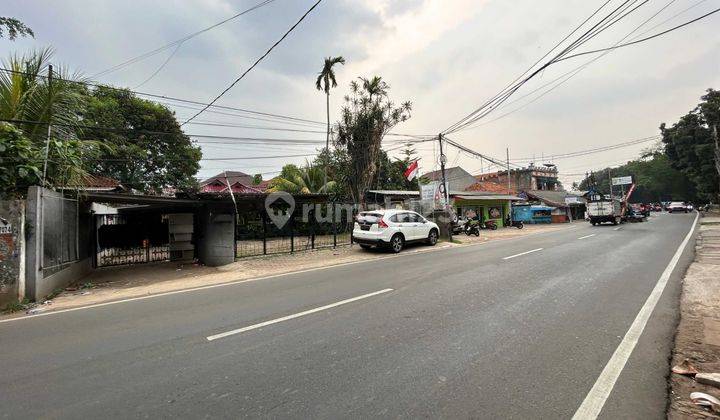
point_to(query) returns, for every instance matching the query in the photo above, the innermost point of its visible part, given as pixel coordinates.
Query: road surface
(520, 328)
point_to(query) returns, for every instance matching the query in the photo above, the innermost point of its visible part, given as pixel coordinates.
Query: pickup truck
(601, 209)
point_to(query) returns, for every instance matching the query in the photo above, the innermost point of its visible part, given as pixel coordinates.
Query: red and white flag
(412, 171)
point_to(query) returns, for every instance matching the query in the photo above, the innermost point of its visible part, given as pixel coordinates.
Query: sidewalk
(698, 334)
(126, 282)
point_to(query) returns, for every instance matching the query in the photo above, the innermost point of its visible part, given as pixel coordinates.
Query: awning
(487, 197)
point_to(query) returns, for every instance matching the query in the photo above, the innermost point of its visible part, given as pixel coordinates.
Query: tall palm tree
(326, 81)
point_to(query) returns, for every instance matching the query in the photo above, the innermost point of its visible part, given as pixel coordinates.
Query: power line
(165, 97)
(569, 75)
(178, 42)
(504, 94)
(255, 63)
(643, 39)
(591, 151)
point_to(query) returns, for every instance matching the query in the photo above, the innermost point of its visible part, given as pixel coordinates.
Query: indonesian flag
(412, 171)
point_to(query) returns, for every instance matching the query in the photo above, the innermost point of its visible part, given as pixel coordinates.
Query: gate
(122, 239)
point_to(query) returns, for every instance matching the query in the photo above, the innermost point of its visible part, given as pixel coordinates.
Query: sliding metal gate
(122, 239)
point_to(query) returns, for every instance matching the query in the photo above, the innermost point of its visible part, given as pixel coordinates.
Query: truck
(604, 209)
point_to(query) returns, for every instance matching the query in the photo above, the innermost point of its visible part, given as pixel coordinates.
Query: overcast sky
(446, 56)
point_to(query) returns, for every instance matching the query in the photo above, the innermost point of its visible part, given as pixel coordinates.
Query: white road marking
(523, 253)
(595, 399)
(293, 316)
(586, 236)
(617, 228)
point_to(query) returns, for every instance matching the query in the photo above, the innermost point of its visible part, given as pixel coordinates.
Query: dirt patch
(698, 335)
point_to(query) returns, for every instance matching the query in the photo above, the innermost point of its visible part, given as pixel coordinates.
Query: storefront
(485, 206)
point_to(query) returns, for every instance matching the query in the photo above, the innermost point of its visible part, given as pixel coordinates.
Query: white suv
(393, 229)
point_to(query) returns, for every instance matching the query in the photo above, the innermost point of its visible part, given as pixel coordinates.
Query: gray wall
(11, 250)
(216, 237)
(41, 281)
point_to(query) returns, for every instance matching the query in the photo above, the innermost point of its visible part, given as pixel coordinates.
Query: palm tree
(326, 81)
(27, 98)
(306, 180)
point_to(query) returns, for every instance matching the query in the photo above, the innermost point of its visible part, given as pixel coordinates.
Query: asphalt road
(464, 332)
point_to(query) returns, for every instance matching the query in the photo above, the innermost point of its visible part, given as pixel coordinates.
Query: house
(457, 178)
(240, 182)
(566, 206)
(543, 178)
(97, 183)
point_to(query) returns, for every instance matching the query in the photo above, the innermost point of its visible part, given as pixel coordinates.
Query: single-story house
(566, 206)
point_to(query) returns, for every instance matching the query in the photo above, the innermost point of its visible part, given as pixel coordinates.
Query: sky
(445, 56)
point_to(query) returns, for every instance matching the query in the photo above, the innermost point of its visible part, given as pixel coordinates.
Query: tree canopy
(692, 147)
(135, 141)
(367, 116)
(149, 150)
(14, 28)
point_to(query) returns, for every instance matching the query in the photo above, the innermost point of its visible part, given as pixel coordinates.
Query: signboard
(5, 228)
(573, 200)
(622, 180)
(433, 192)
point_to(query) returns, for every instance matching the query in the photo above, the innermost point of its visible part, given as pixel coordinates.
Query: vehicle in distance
(677, 207)
(601, 209)
(393, 229)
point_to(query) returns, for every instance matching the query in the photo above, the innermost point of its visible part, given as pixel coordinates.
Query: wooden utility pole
(507, 157)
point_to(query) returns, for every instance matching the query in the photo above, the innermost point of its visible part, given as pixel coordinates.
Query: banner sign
(622, 180)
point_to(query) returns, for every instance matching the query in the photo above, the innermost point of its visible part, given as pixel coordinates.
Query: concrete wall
(60, 279)
(39, 281)
(12, 251)
(216, 237)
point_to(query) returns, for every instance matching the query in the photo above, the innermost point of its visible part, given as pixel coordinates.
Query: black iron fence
(125, 240)
(257, 234)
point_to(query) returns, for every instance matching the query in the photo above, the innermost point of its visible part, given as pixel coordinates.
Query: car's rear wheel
(396, 243)
(432, 237)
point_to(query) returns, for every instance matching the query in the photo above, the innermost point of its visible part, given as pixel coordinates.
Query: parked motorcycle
(489, 224)
(472, 227)
(514, 223)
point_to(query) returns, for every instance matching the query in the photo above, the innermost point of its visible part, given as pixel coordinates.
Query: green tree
(150, 151)
(690, 146)
(654, 177)
(29, 100)
(14, 28)
(22, 161)
(367, 116)
(325, 81)
(306, 180)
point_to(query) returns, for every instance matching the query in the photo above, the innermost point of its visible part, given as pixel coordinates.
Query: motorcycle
(514, 223)
(472, 227)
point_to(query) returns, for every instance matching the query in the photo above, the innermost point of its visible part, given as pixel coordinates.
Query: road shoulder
(698, 334)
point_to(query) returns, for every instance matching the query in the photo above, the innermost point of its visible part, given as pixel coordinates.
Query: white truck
(603, 209)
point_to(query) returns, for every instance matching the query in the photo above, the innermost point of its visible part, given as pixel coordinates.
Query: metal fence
(256, 234)
(121, 240)
(60, 221)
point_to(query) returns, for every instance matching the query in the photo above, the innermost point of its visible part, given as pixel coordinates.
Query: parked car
(677, 207)
(393, 229)
(657, 207)
(635, 214)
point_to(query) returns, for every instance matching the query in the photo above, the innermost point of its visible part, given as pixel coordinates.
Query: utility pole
(49, 128)
(610, 182)
(443, 159)
(446, 193)
(507, 157)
